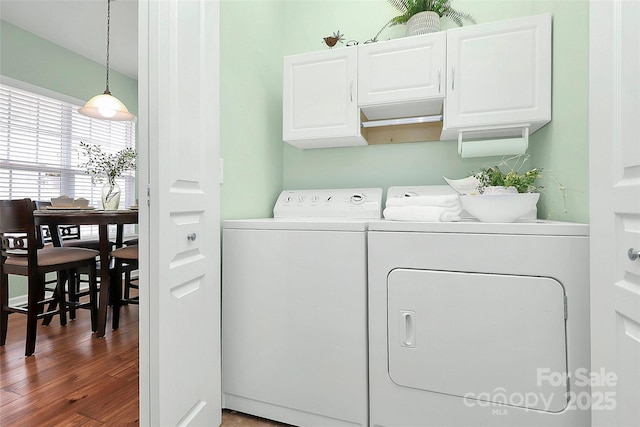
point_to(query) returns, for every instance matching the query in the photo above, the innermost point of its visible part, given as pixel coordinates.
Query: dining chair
(70, 237)
(125, 260)
(23, 254)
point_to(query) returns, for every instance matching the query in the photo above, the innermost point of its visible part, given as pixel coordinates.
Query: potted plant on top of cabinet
(423, 16)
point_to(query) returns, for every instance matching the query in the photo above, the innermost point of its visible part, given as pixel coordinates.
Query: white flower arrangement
(107, 165)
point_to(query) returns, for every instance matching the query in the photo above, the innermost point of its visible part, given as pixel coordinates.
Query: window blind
(40, 153)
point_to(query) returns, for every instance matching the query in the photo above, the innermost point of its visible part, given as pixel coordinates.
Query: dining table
(102, 218)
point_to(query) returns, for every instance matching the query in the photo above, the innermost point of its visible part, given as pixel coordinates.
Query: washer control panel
(356, 203)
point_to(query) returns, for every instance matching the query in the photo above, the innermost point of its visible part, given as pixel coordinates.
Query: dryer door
(484, 337)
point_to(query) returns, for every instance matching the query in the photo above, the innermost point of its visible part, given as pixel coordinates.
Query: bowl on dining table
(81, 203)
(62, 201)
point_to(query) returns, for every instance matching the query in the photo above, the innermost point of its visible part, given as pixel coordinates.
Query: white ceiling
(81, 26)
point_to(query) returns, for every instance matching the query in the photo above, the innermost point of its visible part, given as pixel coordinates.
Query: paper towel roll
(493, 147)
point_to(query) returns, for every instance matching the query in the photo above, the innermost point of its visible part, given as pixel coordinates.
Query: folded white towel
(450, 216)
(444, 200)
(422, 213)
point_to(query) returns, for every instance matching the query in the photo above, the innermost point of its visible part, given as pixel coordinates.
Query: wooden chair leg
(61, 297)
(93, 296)
(35, 290)
(116, 292)
(127, 280)
(4, 302)
(52, 306)
(73, 288)
(54, 303)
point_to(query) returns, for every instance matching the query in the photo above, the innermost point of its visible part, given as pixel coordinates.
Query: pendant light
(106, 106)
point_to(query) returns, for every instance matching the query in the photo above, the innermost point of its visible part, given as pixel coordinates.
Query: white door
(180, 267)
(614, 152)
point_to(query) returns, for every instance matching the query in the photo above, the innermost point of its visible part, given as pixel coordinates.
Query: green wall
(560, 148)
(250, 107)
(31, 59)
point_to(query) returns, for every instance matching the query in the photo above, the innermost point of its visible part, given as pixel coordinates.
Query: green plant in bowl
(494, 176)
(523, 183)
(504, 194)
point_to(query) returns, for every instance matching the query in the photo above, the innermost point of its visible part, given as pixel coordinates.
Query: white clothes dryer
(478, 324)
(294, 317)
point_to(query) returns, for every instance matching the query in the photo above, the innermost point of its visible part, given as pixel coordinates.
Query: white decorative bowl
(499, 207)
(62, 201)
(423, 23)
(467, 185)
(81, 202)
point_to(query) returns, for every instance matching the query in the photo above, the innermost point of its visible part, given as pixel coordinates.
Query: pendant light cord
(108, 31)
(106, 106)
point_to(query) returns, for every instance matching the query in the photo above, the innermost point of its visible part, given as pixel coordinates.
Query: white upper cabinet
(494, 80)
(499, 74)
(320, 99)
(402, 77)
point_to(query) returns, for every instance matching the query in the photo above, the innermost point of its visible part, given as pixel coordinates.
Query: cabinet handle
(439, 80)
(351, 90)
(453, 78)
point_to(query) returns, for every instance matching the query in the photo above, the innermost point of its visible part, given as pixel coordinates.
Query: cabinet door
(409, 69)
(320, 105)
(499, 73)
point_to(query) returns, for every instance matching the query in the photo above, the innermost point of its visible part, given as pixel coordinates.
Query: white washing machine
(294, 317)
(478, 324)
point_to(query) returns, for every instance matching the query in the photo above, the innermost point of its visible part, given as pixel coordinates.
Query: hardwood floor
(75, 379)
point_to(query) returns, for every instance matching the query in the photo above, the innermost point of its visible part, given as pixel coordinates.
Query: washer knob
(357, 199)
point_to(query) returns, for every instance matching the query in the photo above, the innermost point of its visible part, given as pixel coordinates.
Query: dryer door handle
(407, 328)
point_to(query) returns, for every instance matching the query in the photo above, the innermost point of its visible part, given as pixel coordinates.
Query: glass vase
(110, 196)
